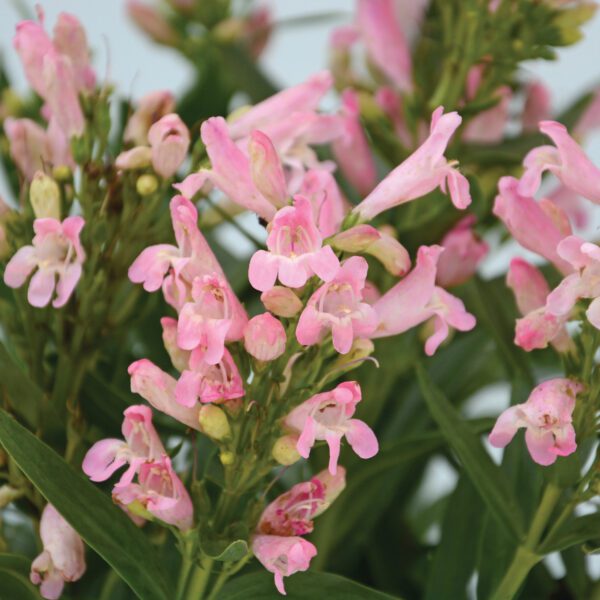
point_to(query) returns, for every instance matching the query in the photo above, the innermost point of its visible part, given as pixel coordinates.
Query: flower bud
(170, 140)
(180, 358)
(281, 301)
(227, 458)
(361, 349)
(146, 185)
(213, 422)
(139, 157)
(8, 494)
(264, 337)
(44, 195)
(266, 169)
(285, 451)
(62, 173)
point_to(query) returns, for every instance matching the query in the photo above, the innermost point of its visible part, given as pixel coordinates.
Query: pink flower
(179, 357)
(488, 126)
(283, 556)
(573, 205)
(337, 307)
(141, 444)
(351, 150)
(296, 250)
(160, 492)
(328, 417)
(589, 121)
(537, 105)
(57, 255)
(538, 327)
(266, 169)
(537, 226)
(567, 161)
(385, 41)
(304, 97)
(264, 337)
(227, 158)
(421, 173)
(29, 145)
(32, 44)
(584, 283)
(463, 251)
(63, 556)
(152, 22)
(547, 416)
(209, 382)
(292, 513)
(390, 102)
(158, 388)
(281, 301)
(150, 109)
(169, 139)
(416, 299)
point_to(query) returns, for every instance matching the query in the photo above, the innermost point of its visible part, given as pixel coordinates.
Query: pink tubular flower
(415, 299)
(537, 226)
(304, 97)
(158, 388)
(538, 327)
(151, 22)
(282, 555)
(169, 139)
(264, 337)
(226, 158)
(57, 255)
(566, 160)
(141, 444)
(385, 41)
(328, 417)
(296, 250)
(337, 306)
(537, 105)
(421, 173)
(351, 150)
(160, 492)
(547, 416)
(209, 383)
(63, 557)
(292, 513)
(266, 169)
(29, 145)
(463, 251)
(584, 283)
(32, 44)
(150, 109)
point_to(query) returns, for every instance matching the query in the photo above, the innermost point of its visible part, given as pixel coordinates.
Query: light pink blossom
(583, 283)
(328, 417)
(169, 139)
(337, 306)
(283, 555)
(266, 169)
(140, 445)
(547, 417)
(63, 557)
(589, 121)
(463, 251)
(385, 41)
(422, 172)
(57, 257)
(281, 301)
(295, 250)
(537, 105)
(206, 382)
(264, 337)
(29, 145)
(158, 388)
(159, 491)
(351, 149)
(537, 226)
(416, 299)
(150, 109)
(566, 160)
(152, 22)
(488, 126)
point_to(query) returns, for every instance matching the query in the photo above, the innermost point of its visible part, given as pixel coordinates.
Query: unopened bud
(8, 494)
(285, 451)
(227, 458)
(281, 301)
(62, 173)
(361, 349)
(44, 195)
(214, 422)
(146, 185)
(264, 337)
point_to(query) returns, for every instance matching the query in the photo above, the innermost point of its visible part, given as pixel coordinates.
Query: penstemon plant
(210, 426)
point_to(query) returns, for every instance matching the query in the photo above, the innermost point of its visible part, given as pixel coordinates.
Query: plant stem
(199, 580)
(526, 556)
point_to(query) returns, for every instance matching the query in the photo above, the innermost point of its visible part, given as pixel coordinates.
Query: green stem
(526, 556)
(199, 580)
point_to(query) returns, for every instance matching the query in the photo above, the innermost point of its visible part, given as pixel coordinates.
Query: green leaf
(98, 521)
(309, 586)
(15, 562)
(15, 586)
(487, 477)
(574, 532)
(231, 553)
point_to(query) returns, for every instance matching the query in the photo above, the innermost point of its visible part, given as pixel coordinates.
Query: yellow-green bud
(62, 173)
(44, 195)
(214, 422)
(8, 494)
(146, 185)
(285, 451)
(226, 458)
